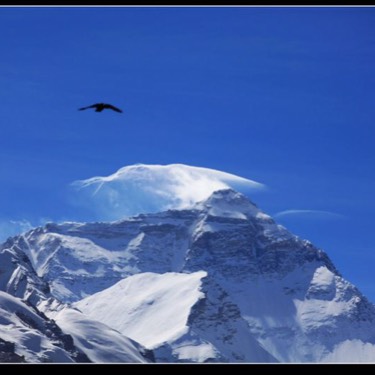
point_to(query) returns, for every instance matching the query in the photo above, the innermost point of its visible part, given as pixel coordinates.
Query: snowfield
(99, 342)
(140, 306)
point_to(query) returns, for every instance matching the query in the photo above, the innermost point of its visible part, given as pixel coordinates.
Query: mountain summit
(220, 281)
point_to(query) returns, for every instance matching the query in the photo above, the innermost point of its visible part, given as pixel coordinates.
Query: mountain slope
(98, 341)
(29, 335)
(283, 296)
(158, 322)
(17, 275)
(26, 335)
(180, 315)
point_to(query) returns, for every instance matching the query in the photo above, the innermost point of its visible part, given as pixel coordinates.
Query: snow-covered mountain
(220, 281)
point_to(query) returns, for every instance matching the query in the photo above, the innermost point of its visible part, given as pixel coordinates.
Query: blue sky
(280, 95)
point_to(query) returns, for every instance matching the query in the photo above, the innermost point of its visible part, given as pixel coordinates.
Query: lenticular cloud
(152, 188)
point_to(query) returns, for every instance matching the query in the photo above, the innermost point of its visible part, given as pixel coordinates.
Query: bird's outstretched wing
(90, 106)
(112, 107)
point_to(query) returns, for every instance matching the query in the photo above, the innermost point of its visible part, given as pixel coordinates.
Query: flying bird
(100, 106)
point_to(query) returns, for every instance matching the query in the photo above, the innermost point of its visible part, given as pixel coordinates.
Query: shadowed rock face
(7, 354)
(17, 275)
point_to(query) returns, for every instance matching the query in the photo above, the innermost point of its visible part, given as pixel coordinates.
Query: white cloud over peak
(144, 188)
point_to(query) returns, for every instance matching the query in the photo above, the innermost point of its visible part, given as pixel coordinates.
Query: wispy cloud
(315, 214)
(10, 228)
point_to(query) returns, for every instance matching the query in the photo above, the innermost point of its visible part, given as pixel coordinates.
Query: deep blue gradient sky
(280, 95)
